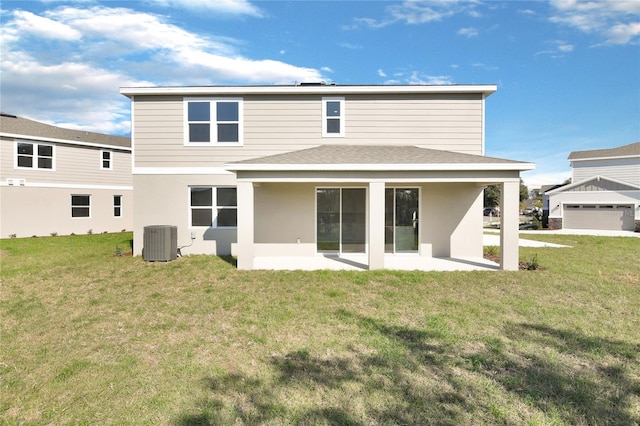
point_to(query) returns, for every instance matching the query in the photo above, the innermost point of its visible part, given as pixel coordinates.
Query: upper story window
(32, 155)
(333, 117)
(106, 160)
(213, 121)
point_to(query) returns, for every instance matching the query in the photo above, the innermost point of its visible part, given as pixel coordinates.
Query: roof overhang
(484, 89)
(570, 186)
(375, 158)
(65, 141)
(257, 167)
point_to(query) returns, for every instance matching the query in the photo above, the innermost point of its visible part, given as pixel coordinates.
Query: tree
(492, 194)
(524, 191)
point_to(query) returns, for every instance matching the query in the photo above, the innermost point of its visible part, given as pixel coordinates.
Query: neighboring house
(314, 170)
(61, 181)
(604, 192)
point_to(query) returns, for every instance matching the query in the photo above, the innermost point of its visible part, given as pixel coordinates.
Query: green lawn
(89, 337)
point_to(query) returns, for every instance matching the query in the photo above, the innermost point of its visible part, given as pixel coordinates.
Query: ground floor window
(117, 205)
(401, 220)
(81, 206)
(341, 220)
(214, 206)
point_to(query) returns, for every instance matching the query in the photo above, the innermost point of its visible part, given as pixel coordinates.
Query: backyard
(92, 335)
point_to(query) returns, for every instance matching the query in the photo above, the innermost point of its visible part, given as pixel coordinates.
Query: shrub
(532, 263)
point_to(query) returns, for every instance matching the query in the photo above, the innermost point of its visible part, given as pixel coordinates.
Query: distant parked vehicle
(528, 225)
(491, 211)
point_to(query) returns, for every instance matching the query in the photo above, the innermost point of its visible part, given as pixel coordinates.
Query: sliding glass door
(341, 220)
(401, 220)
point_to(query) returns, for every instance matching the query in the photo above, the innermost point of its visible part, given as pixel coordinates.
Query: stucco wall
(164, 200)
(28, 211)
(452, 219)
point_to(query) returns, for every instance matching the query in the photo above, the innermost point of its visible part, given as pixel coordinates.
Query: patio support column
(245, 225)
(376, 225)
(510, 218)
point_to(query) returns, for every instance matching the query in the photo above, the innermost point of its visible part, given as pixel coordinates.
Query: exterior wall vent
(16, 182)
(160, 243)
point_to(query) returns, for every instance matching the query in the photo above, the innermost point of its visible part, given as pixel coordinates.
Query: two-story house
(280, 174)
(604, 193)
(62, 181)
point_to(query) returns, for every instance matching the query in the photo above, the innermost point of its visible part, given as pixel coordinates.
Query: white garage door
(590, 216)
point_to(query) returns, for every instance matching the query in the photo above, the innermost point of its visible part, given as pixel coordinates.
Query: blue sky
(568, 72)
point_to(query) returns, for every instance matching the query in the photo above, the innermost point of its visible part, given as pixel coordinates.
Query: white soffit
(486, 90)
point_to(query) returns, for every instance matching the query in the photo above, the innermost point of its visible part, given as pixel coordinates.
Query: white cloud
(351, 46)
(99, 49)
(419, 12)
(557, 49)
(228, 7)
(468, 32)
(28, 23)
(417, 77)
(535, 179)
(65, 93)
(381, 73)
(484, 66)
(616, 22)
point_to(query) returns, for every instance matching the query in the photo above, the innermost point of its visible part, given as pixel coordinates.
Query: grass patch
(90, 336)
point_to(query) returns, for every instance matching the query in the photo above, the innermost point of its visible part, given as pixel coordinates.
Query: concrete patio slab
(359, 262)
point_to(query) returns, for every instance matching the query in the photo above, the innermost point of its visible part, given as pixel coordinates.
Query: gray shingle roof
(23, 126)
(375, 155)
(632, 149)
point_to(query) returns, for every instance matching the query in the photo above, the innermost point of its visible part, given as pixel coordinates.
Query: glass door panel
(328, 220)
(341, 220)
(406, 228)
(389, 209)
(401, 220)
(354, 220)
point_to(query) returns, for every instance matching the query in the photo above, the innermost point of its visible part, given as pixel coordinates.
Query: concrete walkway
(492, 236)
(494, 240)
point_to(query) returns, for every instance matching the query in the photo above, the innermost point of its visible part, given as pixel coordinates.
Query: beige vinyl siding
(6, 158)
(623, 169)
(277, 124)
(72, 165)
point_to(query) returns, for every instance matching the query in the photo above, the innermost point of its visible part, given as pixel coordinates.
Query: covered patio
(359, 262)
(372, 207)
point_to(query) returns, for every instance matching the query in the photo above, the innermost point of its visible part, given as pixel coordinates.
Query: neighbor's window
(34, 155)
(333, 117)
(81, 206)
(213, 121)
(214, 207)
(117, 205)
(105, 160)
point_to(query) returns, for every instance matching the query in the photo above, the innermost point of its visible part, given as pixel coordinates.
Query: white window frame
(80, 206)
(117, 206)
(214, 207)
(326, 118)
(34, 156)
(102, 159)
(213, 123)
